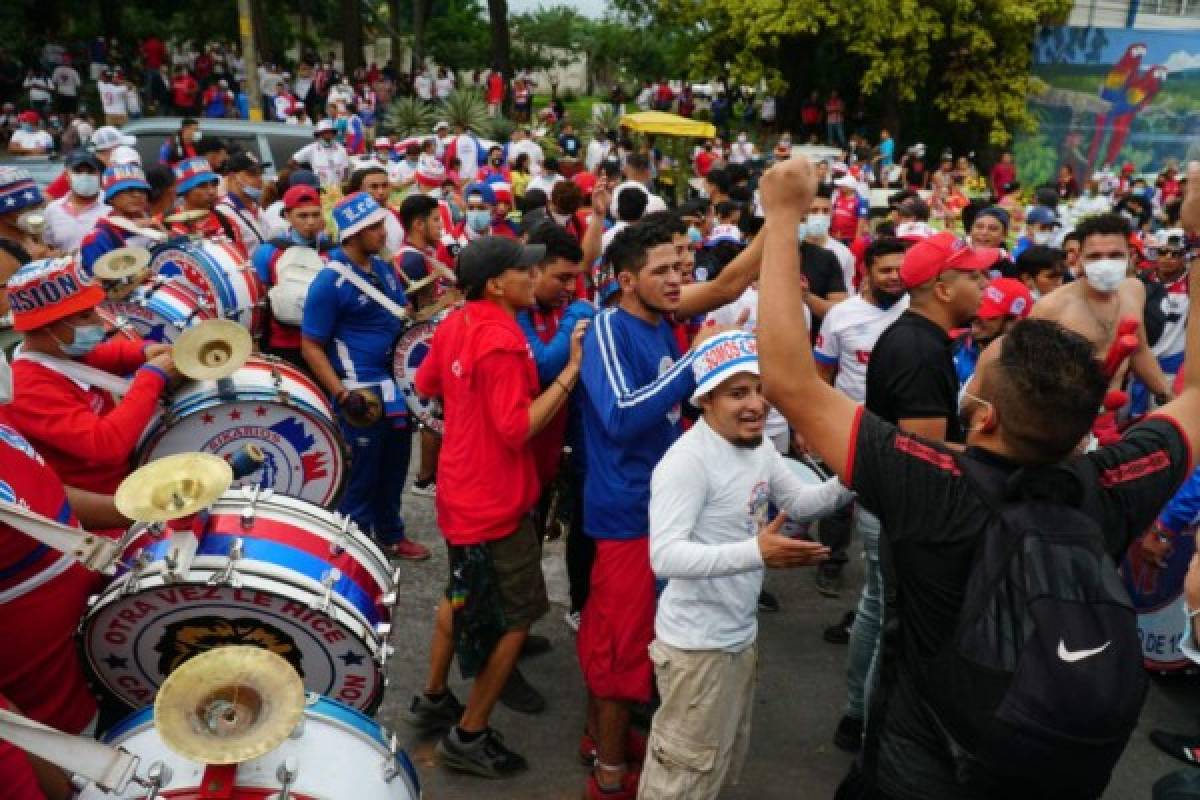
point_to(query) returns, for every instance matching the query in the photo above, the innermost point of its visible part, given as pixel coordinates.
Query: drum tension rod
(158, 775)
(227, 575)
(287, 776)
(390, 769)
(328, 580)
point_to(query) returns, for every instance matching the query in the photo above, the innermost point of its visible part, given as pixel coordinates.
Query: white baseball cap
(108, 137)
(124, 154)
(324, 125)
(846, 182)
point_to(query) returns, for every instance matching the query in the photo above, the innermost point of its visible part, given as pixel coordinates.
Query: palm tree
(465, 107)
(408, 116)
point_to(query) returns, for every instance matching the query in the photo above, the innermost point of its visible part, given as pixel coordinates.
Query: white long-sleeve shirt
(708, 502)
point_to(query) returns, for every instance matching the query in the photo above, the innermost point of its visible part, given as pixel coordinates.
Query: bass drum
(335, 753)
(1157, 595)
(268, 403)
(159, 312)
(411, 349)
(269, 571)
(218, 272)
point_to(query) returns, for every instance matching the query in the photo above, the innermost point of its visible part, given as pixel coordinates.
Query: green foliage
(457, 35)
(498, 129)
(968, 61)
(408, 116)
(467, 108)
(607, 120)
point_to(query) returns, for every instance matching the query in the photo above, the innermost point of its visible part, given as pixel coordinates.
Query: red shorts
(617, 624)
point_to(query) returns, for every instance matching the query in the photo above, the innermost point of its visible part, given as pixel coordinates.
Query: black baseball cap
(490, 256)
(244, 161)
(80, 157)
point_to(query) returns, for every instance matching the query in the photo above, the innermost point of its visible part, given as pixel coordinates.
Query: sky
(592, 8)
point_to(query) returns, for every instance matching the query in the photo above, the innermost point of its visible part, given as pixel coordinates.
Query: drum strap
(81, 373)
(131, 227)
(370, 291)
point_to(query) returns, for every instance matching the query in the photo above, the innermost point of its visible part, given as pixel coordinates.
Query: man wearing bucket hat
(481, 366)
(65, 375)
(709, 538)
(73, 216)
(126, 192)
(21, 213)
(352, 318)
(197, 187)
(326, 156)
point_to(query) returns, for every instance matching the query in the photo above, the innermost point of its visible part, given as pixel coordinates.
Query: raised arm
(822, 415)
(1185, 408)
(700, 298)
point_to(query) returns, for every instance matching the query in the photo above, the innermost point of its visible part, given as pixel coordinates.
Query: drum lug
(287, 776)
(328, 580)
(158, 775)
(180, 553)
(383, 630)
(249, 510)
(227, 576)
(385, 652)
(390, 768)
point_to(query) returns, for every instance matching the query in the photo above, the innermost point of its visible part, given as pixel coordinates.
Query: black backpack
(1042, 682)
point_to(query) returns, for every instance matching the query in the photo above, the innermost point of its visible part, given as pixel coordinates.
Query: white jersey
(423, 87)
(848, 335)
(66, 226)
(249, 221)
(1175, 306)
(443, 87)
(331, 164)
(402, 172)
(112, 97)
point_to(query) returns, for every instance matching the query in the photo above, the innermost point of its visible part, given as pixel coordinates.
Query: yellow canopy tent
(662, 123)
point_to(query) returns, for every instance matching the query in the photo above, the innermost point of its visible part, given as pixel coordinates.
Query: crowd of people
(987, 391)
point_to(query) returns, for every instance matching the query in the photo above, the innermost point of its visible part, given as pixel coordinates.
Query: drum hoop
(220, 289)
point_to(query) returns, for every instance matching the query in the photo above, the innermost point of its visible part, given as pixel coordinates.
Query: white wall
(1184, 14)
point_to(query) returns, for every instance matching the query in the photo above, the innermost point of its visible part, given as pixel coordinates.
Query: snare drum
(160, 311)
(1157, 595)
(411, 349)
(270, 571)
(219, 273)
(268, 403)
(335, 753)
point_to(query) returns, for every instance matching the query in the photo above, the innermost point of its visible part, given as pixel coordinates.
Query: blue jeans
(862, 659)
(378, 468)
(836, 133)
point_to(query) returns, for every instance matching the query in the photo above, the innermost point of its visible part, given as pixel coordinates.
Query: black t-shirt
(569, 143)
(911, 374)
(822, 269)
(933, 516)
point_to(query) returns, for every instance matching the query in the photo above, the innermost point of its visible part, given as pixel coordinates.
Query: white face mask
(6, 380)
(1041, 237)
(817, 224)
(1106, 274)
(84, 185)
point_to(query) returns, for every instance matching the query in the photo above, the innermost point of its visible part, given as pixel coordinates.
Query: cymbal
(229, 705)
(122, 264)
(185, 217)
(212, 350)
(173, 487)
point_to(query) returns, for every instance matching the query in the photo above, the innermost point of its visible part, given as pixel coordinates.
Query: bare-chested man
(1094, 305)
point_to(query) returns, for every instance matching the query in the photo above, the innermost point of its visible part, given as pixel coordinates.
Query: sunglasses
(1164, 253)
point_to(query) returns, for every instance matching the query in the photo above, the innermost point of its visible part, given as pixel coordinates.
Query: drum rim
(405, 385)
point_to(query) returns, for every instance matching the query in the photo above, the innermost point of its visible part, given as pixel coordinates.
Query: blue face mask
(253, 192)
(694, 235)
(479, 220)
(87, 338)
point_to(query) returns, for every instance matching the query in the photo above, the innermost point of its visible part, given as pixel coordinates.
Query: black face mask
(886, 300)
(496, 162)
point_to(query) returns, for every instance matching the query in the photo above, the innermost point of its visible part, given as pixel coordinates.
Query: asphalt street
(799, 701)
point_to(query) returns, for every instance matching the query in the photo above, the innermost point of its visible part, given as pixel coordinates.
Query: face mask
(964, 411)
(1106, 274)
(1035, 294)
(817, 224)
(742, 138)
(694, 235)
(6, 381)
(84, 185)
(253, 192)
(561, 219)
(496, 162)
(197, 136)
(479, 220)
(25, 126)
(87, 337)
(801, 231)
(31, 222)
(1041, 237)
(326, 143)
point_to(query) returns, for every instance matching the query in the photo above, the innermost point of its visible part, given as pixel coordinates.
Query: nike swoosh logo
(1071, 656)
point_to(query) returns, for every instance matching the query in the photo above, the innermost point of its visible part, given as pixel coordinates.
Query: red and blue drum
(218, 272)
(1157, 594)
(269, 571)
(411, 349)
(268, 403)
(160, 311)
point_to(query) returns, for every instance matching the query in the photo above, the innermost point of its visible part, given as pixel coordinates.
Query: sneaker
(486, 757)
(1185, 748)
(572, 620)
(839, 633)
(520, 696)
(635, 748)
(767, 602)
(829, 580)
(427, 715)
(535, 645)
(849, 734)
(424, 488)
(626, 791)
(409, 550)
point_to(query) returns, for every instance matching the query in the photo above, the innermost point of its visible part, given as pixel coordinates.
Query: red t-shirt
(85, 437)
(843, 223)
(495, 88)
(59, 187)
(1002, 175)
(154, 52)
(183, 90)
(548, 445)
(704, 162)
(481, 366)
(39, 664)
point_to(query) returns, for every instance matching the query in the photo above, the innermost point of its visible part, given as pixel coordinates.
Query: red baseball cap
(940, 253)
(1005, 297)
(585, 181)
(31, 117)
(301, 196)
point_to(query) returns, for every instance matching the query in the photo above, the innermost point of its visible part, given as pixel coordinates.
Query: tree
(501, 44)
(457, 36)
(548, 39)
(352, 35)
(966, 61)
(421, 11)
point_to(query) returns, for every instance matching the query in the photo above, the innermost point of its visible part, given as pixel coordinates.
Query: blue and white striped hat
(356, 212)
(723, 356)
(121, 177)
(17, 190)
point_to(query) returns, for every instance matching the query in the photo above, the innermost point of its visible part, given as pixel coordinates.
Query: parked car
(273, 142)
(43, 169)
